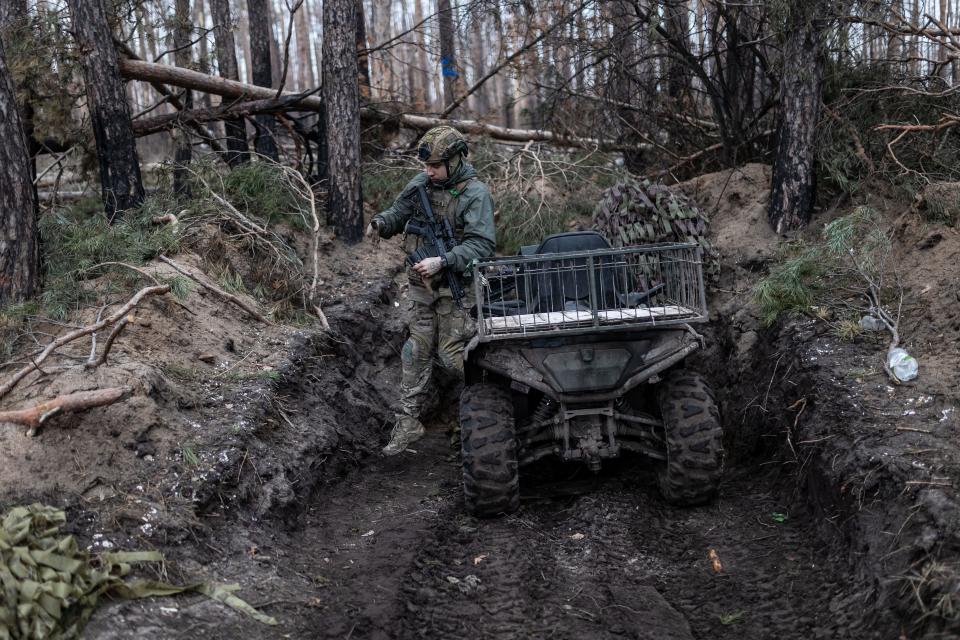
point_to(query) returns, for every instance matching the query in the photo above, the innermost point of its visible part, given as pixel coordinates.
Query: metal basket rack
(589, 291)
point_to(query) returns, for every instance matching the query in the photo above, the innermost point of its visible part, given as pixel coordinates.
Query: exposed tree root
(35, 416)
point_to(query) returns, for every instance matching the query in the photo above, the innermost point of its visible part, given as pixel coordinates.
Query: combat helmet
(441, 144)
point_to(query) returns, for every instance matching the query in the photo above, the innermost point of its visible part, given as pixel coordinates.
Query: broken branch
(36, 415)
(215, 290)
(79, 333)
(117, 329)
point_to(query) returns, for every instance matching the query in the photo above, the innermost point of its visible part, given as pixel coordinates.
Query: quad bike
(579, 356)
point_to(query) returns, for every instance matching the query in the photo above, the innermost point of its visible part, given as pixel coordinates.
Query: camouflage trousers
(439, 331)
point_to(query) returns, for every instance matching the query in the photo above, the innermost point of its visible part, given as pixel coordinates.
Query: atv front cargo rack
(589, 291)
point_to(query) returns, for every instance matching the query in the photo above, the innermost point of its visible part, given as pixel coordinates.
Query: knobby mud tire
(694, 438)
(491, 484)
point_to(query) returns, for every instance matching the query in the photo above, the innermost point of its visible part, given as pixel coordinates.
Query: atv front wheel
(694, 439)
(491, 484)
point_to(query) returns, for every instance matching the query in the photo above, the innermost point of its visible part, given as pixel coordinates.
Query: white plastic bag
(870, 323)
(903, 365)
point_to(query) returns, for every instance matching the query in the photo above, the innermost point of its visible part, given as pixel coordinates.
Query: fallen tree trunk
(173, 99)
(517, 135)
(155, 124)
(166, 74)
(36, 415)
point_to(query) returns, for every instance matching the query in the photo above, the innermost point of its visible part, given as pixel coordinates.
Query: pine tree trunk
(19, 243)
(363, 60)
(421, 96)
(914, 63)
(481, 101)
(678, 80)
(244, 31)
(304, 54)
(183, 57)
(258, 16)
(122, 187)
(236, 130)
(792, 192)
(14, 14)
(276, 55)
(203, 63)
(942, 53)
(341, 96)
(449, 68)
(626, 89)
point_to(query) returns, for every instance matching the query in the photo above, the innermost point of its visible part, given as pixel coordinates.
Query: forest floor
(249, 454)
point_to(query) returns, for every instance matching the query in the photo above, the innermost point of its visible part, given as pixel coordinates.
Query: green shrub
(845, 274)
(790, 286)
(259, 190)
(77, 239)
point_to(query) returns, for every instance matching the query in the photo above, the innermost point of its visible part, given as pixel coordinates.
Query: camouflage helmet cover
(441, 144)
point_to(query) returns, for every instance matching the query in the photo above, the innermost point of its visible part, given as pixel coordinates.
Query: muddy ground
(837, 516)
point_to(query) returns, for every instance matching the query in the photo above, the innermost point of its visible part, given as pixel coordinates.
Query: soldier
(438, 328)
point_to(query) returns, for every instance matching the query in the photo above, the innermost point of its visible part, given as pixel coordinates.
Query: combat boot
(407, 431)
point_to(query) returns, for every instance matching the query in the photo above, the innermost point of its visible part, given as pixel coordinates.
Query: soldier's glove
(429, 267)
(373, 232)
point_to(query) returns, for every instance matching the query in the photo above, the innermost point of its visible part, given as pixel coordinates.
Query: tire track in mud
(387, 551)
(547, 572)
(616, 561)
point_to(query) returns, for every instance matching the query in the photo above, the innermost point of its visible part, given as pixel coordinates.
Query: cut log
(166, 74)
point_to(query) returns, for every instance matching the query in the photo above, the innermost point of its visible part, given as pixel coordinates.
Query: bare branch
(146, 292)
(216, 290)
(35, 416)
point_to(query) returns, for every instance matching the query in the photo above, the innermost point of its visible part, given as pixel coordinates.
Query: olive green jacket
(470, 213)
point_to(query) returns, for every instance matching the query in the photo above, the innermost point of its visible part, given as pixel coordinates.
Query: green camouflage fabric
(49, 586)
(633, 212)
(440, 143)
(468, 206)
(439, 331)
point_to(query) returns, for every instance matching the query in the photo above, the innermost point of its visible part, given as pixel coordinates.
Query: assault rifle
(438, 239)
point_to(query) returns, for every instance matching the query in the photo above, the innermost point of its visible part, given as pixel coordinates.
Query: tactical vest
(444, 205)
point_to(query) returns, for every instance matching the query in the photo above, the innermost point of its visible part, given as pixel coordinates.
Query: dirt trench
(337, 542)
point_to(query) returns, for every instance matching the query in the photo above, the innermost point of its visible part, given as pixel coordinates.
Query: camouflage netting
(632, 212)
(49, 587)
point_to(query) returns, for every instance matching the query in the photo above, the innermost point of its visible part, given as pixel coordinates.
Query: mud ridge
(328, 411)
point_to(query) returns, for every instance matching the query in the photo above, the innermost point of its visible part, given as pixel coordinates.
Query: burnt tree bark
(226, 50)
(259, 18)
(341, 97)
(14, 20)
(19, 243)
(183, 154)
(792, 190)
(120, 179)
